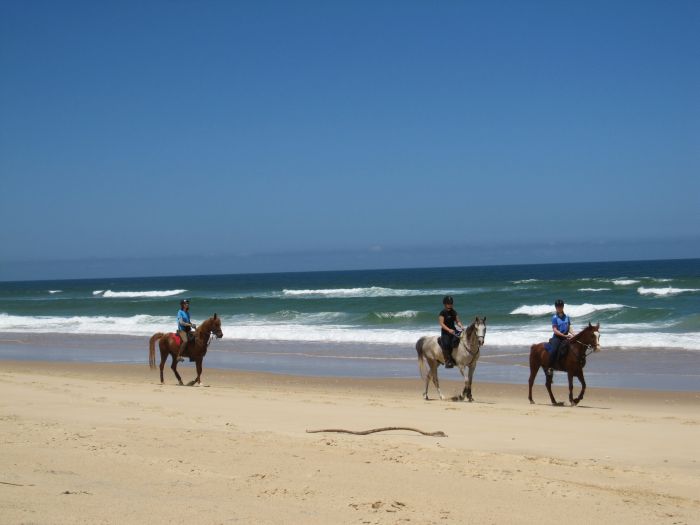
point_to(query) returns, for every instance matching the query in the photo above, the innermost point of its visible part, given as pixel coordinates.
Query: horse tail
(421, 356)
(152, 348)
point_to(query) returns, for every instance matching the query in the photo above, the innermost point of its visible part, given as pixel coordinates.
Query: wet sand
(655, 369)
(106, 443)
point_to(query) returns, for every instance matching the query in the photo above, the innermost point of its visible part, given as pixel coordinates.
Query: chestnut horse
(195, 350)
(579, 347)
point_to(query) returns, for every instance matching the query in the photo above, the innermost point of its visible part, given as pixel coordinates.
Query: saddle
(178, 340)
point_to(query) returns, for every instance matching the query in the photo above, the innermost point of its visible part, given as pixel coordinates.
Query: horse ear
(590, 325)
(476, 319)
(214, 316)
(484, 320)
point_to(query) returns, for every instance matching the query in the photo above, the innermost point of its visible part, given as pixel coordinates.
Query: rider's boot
(449, 360)
(183, 345)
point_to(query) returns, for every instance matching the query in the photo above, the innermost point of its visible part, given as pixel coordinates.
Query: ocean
(374, 314)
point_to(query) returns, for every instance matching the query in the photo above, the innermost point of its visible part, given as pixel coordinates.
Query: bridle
(588, 349)
(478, 344)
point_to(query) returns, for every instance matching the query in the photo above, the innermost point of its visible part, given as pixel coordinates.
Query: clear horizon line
(167, 276)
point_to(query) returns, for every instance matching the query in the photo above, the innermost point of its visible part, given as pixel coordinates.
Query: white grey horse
(466, 354)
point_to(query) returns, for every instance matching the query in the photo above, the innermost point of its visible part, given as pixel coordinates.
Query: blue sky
(311, 135)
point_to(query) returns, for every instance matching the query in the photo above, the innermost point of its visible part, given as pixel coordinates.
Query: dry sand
(86, 443)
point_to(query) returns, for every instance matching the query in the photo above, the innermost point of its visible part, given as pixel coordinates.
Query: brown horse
(195, 350)
(579, 347)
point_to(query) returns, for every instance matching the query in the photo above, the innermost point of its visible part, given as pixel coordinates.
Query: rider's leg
(447, 348)
(183, 344)
(554, 355)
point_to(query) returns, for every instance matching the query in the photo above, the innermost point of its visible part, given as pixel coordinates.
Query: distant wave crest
(370, 291)
(593, 289)
(624, 282)
(405, 314)
(664, 292)
(127, 295)
(575, 310)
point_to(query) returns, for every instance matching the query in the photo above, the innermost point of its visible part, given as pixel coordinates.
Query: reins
(588, 349)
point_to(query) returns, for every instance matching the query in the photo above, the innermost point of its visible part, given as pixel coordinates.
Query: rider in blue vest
(184, 326)
(561, 326)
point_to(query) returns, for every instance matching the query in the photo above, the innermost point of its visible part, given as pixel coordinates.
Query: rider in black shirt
(448, 320)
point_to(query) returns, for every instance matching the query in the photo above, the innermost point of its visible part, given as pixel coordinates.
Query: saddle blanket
(176, 337)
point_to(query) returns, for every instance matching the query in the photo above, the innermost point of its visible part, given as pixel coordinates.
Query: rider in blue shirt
(184, 325)
(561, 326)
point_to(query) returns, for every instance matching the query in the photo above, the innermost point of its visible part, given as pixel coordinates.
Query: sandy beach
(92, 443)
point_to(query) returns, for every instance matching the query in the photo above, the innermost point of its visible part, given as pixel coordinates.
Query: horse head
(590, 336)
(478, 326)
(212, 326)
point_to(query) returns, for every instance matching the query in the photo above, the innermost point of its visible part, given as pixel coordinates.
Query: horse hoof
(471, 399)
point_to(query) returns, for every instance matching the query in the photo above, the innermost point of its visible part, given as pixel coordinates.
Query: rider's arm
(459, 322)
(441, 320)
(181, 321)
(557, 332)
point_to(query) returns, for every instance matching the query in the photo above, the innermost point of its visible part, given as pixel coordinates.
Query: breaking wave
(575, 310)
(128, 295)
(663, 292)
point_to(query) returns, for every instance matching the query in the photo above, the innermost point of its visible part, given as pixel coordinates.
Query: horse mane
(588, 327)
(204, 326)
(470, 330)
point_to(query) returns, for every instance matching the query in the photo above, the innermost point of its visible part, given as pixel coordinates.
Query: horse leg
(163, 359)
(583, 388)
(436, 381)
(174, 367)
(197, 380)
(464, 390)
(534, 368)
(571, 388)
(548, 384)
(472, 367)
(427, 381)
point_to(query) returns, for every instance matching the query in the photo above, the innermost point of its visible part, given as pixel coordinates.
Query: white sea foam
(264, 328)
(525, 281)
(575, 310)
(611, 336)
(663, 292)
(373, 291)
(593, 289)
(405, 314)
(55, 291)
(133, 325)
(149, 293)
(624, 282)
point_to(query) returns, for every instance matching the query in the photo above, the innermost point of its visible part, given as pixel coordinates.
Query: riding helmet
(448, 300)
(559, 302)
